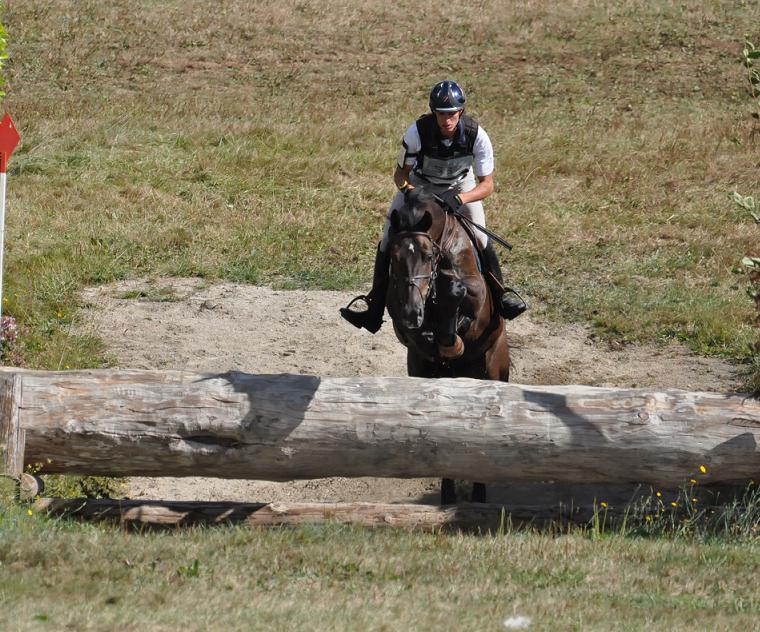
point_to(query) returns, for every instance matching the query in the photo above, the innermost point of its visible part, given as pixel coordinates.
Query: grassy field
(167, 139)
(338, 578)
(256, 143)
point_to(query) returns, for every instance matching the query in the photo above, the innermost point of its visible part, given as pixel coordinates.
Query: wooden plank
(11, 435)
(469, 517)
(284, 427)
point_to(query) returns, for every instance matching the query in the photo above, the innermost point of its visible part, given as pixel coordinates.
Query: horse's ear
(395, 220)
(425, 223)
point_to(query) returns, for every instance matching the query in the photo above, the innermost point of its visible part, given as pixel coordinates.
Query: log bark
(284, 427)
(466, 517)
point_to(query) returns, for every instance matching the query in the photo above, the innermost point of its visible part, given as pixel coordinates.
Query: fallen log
(166, 514)
(284, 427)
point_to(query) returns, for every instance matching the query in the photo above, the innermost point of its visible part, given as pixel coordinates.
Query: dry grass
(337, 578)
(164, 138)
(256, 143)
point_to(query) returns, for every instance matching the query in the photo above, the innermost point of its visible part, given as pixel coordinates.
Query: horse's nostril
(414, 319)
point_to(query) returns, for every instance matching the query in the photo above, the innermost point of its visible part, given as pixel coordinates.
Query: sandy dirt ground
(191, 324)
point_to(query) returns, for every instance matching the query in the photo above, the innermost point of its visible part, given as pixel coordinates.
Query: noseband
(415, 280)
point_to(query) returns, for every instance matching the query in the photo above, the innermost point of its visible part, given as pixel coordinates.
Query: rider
(451, 155)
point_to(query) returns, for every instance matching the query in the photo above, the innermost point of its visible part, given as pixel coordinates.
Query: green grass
(340, 578)
(258, 147)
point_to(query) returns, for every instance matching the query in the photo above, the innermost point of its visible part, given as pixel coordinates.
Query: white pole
(9, 138)
(3, 176)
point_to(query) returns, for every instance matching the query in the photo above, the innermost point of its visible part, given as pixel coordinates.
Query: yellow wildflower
(703, 469)
(604, 504)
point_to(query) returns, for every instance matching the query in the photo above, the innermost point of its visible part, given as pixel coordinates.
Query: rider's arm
(482, 190)
(401, 177)
(410, 146)
(484, 164)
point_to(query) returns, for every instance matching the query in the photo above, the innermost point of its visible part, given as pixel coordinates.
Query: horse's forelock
(418, 201)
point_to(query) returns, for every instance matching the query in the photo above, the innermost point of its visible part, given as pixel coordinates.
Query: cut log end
(30, 486)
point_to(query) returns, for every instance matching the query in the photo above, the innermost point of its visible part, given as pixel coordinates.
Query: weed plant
(751, 264)
(693, 514)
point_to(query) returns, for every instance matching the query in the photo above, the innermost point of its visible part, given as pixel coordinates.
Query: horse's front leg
(448, 492)
(451, 293)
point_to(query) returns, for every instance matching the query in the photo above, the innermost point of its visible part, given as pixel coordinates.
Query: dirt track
(193, 325)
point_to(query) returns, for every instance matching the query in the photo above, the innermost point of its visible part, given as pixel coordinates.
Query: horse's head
(415, 256)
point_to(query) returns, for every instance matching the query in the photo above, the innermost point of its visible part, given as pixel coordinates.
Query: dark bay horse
(439, 302)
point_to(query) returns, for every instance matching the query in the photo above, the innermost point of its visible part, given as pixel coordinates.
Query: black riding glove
(452, 203)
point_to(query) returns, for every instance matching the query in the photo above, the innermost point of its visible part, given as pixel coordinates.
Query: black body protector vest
(438, 162)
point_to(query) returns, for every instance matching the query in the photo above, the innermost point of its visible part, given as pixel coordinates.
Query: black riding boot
(509, 303)
(372, 318)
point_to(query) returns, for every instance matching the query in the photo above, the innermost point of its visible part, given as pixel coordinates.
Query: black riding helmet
(446, 96)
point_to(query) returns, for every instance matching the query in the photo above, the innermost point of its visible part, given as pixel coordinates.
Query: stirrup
(347, 308)
(365, 319)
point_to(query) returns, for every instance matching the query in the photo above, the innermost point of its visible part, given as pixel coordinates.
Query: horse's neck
(460, 249)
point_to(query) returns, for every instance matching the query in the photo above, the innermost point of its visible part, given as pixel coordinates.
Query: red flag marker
(9, 138)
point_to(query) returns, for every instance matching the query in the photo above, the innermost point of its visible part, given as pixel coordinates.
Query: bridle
(439, 249)
(417, 279)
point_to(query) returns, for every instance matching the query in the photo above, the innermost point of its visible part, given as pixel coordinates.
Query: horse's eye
(429, 256)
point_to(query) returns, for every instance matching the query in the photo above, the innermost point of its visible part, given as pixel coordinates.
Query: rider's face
(447, 122)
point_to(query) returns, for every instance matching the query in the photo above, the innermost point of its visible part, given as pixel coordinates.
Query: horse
(440, 304)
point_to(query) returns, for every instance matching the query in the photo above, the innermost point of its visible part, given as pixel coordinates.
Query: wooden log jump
(465, 516)
(285, 427)
(182, 514)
